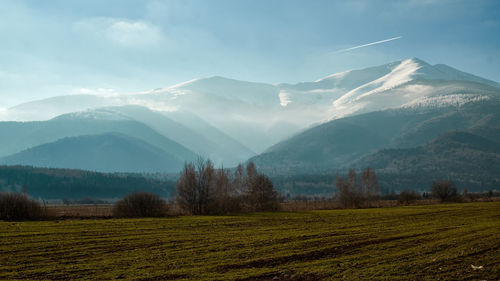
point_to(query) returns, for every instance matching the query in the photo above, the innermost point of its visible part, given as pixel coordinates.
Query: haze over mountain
(182, 127)
(339, 143)
(110, 152)
(258, 115)
(308, 127)
(18, 136)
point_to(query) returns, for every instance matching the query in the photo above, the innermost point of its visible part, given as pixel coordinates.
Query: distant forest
(50, 183)
(322, 185)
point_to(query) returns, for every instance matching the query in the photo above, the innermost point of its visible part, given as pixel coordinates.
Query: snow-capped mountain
(413, 82)
(258, 115)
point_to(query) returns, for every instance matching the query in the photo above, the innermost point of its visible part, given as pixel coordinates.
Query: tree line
(363, 191)
(204, 190)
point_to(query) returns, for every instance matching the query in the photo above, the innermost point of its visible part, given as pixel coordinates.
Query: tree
(140, 204)
(206, 184)
(370, 184)
(226, 199)
(187, 189)
(195, 187)
(407, 197)
(352, 193)
(261, 194)
(348, 192)
(444, 191)
(239, 181)
(203, 190)
(251, 174)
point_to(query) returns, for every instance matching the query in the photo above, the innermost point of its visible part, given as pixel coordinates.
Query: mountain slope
(51, 107)
(470, 160)
(109, 152)
(17, 136)
(182, 127)
(339, 143)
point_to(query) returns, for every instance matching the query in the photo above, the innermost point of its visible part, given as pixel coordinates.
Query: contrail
(369, 44)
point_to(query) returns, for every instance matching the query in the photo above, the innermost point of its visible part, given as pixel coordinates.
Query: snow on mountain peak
(182, 84)
(337, 75)
(399, 75)
(95, 114)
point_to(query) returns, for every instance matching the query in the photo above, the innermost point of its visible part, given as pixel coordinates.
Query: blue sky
(50, 48)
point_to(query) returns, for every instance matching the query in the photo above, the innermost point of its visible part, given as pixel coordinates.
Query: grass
(435, 242)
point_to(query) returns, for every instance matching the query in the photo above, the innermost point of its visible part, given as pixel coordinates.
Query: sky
(59, 47)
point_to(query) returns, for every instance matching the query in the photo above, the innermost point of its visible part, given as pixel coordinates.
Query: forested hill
(76, 184)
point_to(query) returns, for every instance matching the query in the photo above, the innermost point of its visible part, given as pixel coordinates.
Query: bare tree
(348, 192)
(370, 185)
(261, 194)
(239, 181)
(203, 190)
(194, 187)
(444, 190)
(251, 174)
(227, 199)
(187, 189)
(206, 184)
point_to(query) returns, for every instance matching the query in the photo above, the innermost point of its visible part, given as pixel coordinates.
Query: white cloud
(134, 33)
(94, 91)
(123, 32)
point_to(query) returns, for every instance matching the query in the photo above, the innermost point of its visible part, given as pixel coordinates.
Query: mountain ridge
(109, 152)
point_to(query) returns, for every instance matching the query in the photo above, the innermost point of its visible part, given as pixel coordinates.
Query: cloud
(94, 91)
(368, 44)
(124, 32)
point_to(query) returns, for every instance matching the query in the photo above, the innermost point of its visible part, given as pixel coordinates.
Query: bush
(408, 197)
(445, 191)
(18, 206)
(140, 204)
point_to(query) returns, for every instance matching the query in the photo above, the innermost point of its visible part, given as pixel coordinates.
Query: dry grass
(106, 211)
(81, 211)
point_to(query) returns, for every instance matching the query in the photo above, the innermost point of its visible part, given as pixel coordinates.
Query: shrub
(140, 204)
(408, 197)
(18, 206)
(444, 191)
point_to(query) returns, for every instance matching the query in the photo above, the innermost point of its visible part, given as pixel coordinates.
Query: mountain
(51, 107)
(18, 136)
(413, 83)
(248, 112)
(470, 160)
(110, 152)
(181, 127)
(338, 144)
(258, 115)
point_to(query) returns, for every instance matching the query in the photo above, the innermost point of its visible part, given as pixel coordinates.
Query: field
(433, 242)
